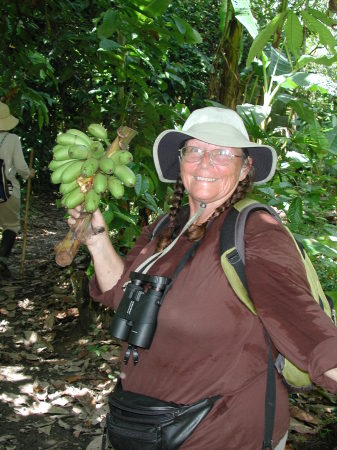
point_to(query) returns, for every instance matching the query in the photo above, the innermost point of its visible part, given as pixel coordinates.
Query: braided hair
(197, 231)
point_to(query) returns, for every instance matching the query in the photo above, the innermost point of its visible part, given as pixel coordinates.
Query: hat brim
(8, 123)
(166, 154)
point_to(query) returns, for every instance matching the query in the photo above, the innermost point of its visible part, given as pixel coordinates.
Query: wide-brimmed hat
(7, 121)
(217, 126)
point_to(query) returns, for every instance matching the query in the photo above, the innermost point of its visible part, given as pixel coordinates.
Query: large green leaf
(303, 111)
(324, 60)
(244, 15)
(294, 33)
(191, 35)
(109, 25)
(156, 7)
(311, 81)
(259, 113)
(322, 16)
(278, 62)
(263, 37)
(295, 211)
(331, 135)
(315, 248)
(317, 27)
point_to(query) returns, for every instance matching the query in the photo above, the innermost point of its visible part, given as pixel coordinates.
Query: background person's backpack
(6, 187)
(232, 255)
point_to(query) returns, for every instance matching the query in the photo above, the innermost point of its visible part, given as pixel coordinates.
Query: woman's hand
(95, 227)
(108, 264)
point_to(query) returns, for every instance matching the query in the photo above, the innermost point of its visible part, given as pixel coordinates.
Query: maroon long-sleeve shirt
(208, 343)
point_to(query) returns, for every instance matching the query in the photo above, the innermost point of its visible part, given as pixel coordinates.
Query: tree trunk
(224, 86)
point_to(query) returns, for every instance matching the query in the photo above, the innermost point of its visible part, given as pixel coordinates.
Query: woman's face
(211, 183)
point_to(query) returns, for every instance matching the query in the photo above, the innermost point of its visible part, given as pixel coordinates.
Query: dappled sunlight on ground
(56, 372)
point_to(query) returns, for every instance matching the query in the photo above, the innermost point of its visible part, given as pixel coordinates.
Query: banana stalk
(67, 249)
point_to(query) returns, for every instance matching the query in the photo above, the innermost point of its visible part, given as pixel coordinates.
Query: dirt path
(54, 375)
(57, 366)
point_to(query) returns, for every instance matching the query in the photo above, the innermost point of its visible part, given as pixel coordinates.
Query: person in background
(207, 343)
(14, 161)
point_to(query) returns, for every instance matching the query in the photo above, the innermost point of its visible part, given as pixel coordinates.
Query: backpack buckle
(234, 257)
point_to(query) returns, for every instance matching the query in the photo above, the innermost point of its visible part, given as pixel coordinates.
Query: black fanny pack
(139, 422)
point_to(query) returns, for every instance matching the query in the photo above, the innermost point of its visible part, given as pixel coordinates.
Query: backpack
(6, 187)
(232, 257)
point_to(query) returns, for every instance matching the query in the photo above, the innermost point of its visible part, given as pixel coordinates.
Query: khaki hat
(217, 126)
(7, 121)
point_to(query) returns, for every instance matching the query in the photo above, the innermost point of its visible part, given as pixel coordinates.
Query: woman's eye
(194, 150)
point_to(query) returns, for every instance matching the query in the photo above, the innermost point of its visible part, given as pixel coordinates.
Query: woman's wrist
(98, 241)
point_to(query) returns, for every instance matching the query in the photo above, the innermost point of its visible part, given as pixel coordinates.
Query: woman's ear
(245, 168)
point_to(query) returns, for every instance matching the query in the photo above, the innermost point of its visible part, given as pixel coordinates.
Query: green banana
(57, 147)
(89, 167)
(97, 130)
(100, 183)
(115, 187)
(125, 174)
(65, 188)
(79, 152)
(56, 176)
(74, 198)
(107, 165)
(62, 153)
(80, 134)
(97, 149)
(70, 139)
(91, 201)
(53, 165)
(64, 199)
(72, 172)
(123, 157)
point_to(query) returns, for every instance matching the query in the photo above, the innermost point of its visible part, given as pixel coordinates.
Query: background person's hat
(7, 121)
(218, 126)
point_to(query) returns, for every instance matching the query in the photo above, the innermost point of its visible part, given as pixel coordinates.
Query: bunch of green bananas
(85, 172)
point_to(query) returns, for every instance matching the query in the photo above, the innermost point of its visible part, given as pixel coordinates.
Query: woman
(207, 343)
(12, 156)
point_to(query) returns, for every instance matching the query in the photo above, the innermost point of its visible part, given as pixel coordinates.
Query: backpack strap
(232, 254)
(3, 139)
(160, 225)
(240, 224)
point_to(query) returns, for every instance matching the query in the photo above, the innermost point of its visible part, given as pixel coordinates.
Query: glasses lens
(221, 156)
(191, 154)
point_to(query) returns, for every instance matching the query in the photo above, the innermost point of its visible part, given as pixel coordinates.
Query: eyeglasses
(218, 156)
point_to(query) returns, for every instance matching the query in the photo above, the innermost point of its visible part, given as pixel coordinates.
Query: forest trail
(58, 364)
(54, 374)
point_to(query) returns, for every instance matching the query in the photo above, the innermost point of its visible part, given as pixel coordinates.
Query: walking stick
(29, 182)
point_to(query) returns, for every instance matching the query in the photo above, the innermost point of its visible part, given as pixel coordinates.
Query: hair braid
(166, 237)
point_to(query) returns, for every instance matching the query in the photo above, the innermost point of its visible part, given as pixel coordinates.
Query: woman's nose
(206, 159)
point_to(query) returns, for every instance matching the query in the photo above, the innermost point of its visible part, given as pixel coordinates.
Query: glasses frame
(230, 155)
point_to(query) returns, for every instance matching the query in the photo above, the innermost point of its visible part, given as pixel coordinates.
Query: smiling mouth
(210, 180)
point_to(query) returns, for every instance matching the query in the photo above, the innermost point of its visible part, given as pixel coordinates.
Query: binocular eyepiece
(135, 320)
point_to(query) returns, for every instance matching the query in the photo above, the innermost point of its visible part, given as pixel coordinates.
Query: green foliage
(147, 63)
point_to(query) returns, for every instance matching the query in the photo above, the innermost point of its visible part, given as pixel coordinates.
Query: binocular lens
(135, 320)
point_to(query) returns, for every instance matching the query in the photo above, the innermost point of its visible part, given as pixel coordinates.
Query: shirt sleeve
(108, 298)
(19, 161)
(278, 285)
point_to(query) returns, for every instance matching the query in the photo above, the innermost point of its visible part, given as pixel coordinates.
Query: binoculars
(135, 320)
